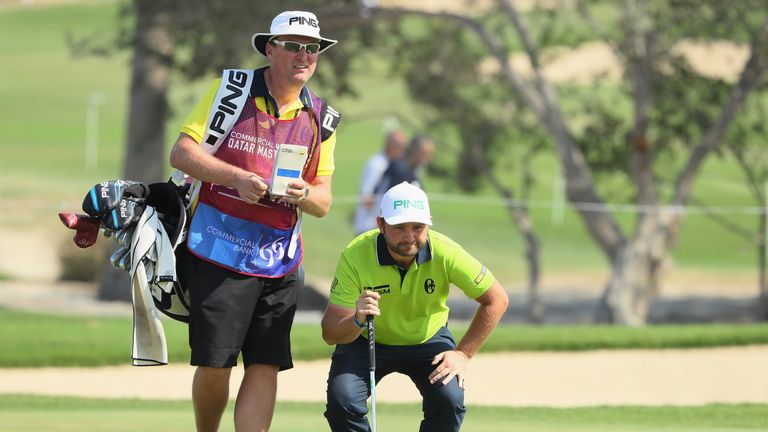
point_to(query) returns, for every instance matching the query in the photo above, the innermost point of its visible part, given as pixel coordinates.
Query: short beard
(405, 250)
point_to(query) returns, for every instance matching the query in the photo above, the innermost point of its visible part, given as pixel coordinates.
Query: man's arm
(337, 323)
(493, 304)
(187, 156)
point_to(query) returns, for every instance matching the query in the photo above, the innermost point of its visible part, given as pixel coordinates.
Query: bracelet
(357, 322)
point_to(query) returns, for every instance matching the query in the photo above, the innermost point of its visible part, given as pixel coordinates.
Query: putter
(372, 368)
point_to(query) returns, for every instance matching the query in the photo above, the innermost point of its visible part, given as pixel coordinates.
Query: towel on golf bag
(153, 270)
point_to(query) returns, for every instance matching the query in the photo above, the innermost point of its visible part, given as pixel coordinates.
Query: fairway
(54, 414)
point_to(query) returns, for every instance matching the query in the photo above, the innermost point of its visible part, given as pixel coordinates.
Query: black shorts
(233, 313)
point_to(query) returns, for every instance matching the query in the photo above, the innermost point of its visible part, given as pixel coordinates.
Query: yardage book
(289, 163)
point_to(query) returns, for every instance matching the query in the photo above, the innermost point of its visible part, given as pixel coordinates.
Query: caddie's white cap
(405, 203)
(298, 23)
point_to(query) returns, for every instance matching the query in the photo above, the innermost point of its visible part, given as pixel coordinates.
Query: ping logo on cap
(417, 204)
(302, 21)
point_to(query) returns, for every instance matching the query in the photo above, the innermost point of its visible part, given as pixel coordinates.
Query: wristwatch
(357, 322)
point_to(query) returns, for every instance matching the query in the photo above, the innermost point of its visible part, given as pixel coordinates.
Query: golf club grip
(371, 343)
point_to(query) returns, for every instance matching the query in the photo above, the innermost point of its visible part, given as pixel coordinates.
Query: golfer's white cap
(298, 23)
(405, 203)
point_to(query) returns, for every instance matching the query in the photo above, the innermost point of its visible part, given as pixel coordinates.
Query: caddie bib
(253, 239)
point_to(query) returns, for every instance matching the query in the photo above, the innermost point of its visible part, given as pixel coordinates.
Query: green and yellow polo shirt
(195, 123)
(413, 303)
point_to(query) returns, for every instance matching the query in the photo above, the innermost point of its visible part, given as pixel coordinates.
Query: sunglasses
(294, 47)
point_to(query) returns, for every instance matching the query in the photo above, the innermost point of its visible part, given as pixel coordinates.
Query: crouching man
(401, 275)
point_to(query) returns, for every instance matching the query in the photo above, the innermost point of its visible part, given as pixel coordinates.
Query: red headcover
(87, 228)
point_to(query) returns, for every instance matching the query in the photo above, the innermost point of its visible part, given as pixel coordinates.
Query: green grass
(47, 91)
(36, 340)
(62, 414)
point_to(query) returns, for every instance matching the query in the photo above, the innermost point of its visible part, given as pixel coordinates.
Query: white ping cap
(405, 203)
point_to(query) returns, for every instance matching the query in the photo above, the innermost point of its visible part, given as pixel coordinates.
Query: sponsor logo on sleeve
(479, 278)
(334, 284)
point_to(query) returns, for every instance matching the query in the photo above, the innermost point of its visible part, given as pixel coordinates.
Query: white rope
(583, 206)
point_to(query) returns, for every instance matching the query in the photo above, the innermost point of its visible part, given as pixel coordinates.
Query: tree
(643, 41)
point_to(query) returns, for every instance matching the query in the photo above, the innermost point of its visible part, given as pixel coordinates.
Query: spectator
(367, 206)
(409, 169)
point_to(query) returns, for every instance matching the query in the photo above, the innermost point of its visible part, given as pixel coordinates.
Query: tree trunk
(145, 154)
(535, 304)
(633, 284)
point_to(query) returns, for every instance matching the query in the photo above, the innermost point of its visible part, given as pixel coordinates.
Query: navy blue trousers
(346, 409)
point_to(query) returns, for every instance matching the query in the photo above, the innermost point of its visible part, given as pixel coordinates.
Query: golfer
(242, 261)
(401, 274)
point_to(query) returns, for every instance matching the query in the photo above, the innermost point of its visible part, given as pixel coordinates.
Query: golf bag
(118, 207)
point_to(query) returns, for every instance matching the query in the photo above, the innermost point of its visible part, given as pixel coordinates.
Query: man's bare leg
(256, 398)
(210, 393)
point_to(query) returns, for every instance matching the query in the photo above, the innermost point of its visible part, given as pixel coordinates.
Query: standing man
(243, 254)
(367, 205)
(401, 275)
(408, 169)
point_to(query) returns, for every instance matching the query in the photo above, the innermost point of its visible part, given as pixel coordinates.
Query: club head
(124, 236)
(125, 261)
(117, 255)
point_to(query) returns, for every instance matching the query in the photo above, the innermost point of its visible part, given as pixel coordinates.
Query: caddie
(401, 275)
(260, 145)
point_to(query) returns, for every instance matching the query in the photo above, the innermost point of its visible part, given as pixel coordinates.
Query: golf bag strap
(233, 94)
(329, 120)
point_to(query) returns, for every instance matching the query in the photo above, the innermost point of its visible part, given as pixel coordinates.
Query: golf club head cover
(107, 195)
(86, 227)
(125, 213)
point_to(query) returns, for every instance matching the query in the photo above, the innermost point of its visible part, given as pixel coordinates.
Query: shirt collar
(385, 258)
(259, 89)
